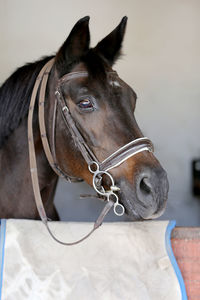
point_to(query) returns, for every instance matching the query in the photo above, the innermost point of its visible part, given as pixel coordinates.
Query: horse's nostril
(145, 186)
(151, 192)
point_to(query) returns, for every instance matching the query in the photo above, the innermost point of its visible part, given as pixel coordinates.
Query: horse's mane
(15, 94)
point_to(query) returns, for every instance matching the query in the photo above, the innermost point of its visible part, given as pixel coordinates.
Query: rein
(98, 169)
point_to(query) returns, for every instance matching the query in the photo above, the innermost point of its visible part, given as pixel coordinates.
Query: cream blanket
(120, 261)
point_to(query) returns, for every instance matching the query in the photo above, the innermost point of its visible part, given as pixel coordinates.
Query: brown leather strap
(50, 157)
(79, 141)
(122, 154)
(97, 224)
(32, 156)
(42, 121)
(43, 75)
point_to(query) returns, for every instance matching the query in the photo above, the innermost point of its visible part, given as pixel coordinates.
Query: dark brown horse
(103, 110)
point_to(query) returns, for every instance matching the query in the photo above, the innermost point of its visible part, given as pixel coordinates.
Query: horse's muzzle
(146, 197)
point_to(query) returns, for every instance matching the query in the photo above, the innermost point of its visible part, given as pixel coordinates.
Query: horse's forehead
(79, 68)
(97, 78)
(111, 83)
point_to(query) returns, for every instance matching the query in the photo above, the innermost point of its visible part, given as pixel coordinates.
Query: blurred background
(161, 62)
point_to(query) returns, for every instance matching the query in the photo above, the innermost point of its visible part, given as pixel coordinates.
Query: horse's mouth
(137, 213)
(134, 216)
(135, 209)
(146, 208)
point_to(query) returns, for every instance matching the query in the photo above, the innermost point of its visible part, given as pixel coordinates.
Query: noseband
(96, 168)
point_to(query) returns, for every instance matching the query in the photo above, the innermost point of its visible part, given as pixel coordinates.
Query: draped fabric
(120, 261)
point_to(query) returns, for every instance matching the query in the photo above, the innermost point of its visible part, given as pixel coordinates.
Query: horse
(102, 107)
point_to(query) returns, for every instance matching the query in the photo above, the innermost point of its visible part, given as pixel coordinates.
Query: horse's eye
(85, 104)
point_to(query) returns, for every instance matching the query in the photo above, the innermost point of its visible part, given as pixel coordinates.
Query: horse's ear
(75, 46)
(111, 45)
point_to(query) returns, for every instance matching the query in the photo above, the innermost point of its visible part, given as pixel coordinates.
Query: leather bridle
(98, 169)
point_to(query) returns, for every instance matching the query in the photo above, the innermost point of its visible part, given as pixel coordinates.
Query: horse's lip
(131, 212)
(159, 212)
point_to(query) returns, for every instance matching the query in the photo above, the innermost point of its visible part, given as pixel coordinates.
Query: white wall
(161, 62)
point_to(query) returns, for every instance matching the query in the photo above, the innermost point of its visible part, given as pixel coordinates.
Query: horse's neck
(16, 193)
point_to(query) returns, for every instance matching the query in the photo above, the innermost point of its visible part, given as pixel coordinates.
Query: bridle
(97, 169)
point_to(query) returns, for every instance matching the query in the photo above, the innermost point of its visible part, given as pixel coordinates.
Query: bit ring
(118, 208)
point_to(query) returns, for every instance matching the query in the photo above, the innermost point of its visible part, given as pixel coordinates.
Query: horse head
(102, 106)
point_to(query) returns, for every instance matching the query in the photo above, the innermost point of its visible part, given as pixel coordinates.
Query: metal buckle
(65, 108)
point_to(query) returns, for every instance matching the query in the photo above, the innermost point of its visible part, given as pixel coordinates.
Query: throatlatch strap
(32, 157)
